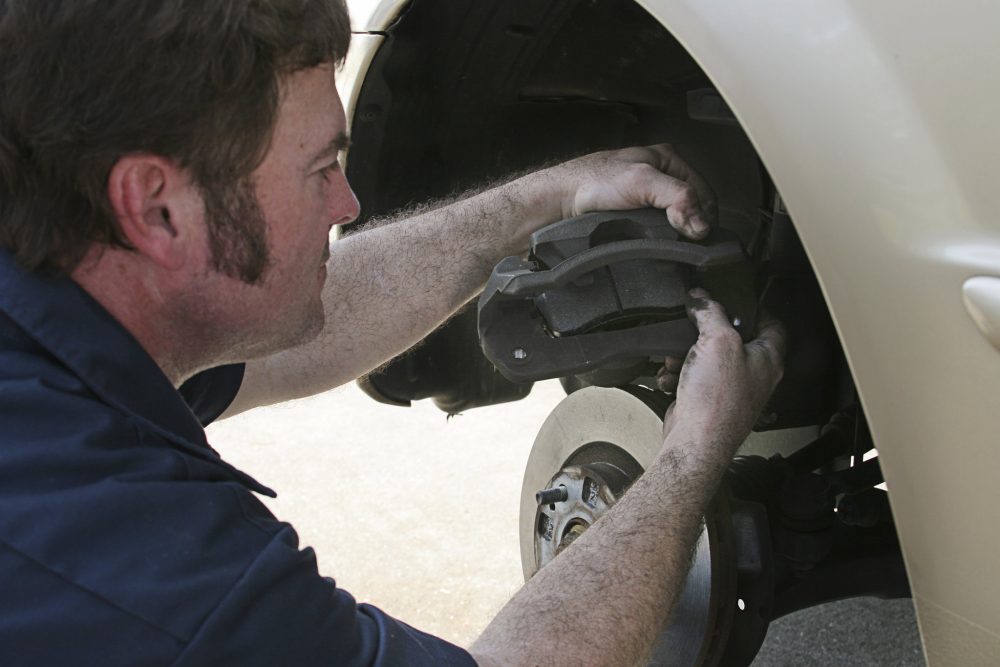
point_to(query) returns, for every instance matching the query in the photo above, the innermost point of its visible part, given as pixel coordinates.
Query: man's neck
(130, 292)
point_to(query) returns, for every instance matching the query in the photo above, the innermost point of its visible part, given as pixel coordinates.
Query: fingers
(768, 348)
(673, 186)
(709, 316)
(638, 177)
(667, 381)
(673, 364)
(677, 198)
(686, 217)
(668, 377)
(696, 212)
(771, 335)
(670, 163)
(766, 353)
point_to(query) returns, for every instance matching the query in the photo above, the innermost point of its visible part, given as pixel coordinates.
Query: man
(168, 181)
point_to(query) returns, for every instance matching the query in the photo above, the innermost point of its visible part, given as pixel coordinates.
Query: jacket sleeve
(282, 612)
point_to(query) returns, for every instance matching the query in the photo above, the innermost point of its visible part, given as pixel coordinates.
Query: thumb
(709, 316)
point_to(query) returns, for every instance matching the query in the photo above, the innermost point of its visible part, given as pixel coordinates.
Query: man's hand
(723, 384)
(642, 177)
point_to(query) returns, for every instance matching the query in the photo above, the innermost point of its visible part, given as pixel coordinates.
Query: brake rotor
(594, 444)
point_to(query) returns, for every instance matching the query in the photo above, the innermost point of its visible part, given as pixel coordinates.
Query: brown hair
(84, 82)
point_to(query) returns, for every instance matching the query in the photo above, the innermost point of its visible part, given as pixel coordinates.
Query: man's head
(179, 160)
(198, 82)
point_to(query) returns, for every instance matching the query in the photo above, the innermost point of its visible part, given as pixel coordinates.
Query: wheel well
(464, 93)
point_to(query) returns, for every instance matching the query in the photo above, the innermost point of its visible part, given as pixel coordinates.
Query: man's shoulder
(108, 511)
(128, 530)
(40, 399)
(119, 546)
(23, 358)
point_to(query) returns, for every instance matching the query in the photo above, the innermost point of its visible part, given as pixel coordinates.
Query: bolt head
(520, 354)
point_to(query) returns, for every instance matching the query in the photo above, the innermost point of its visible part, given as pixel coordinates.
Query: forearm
(393, 283)
(604, 600)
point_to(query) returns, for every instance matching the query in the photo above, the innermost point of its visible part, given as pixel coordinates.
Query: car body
(876, 122)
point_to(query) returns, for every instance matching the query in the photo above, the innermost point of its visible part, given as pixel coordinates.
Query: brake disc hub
(586, 493)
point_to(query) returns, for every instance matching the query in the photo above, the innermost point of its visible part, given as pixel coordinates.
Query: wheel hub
(587, 492)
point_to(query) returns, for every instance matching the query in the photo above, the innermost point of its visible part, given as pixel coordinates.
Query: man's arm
(391, 285)
(603, 601)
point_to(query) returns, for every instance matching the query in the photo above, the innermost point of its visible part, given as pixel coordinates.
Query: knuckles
(640, 173)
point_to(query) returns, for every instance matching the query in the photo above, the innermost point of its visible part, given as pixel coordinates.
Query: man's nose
(344, 205)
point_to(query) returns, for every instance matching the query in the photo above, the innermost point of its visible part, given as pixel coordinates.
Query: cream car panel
(374, 15)
(355, 68)
(982, 300)
(855, 109)
(877, 122)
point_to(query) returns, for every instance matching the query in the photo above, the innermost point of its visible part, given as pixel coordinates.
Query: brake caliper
(603, 297)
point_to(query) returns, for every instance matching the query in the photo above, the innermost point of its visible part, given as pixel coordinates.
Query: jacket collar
(90, 342)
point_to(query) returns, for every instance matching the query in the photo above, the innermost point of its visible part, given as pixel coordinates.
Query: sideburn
(237, 231)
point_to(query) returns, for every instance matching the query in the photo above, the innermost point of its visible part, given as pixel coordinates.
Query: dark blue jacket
(124, 538)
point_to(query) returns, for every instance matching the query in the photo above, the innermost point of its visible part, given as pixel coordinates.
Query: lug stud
(554, 495)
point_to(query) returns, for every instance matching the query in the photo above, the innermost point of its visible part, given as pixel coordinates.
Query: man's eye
(329, 169)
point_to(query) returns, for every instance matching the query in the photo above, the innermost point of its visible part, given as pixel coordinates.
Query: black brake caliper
(602, 297)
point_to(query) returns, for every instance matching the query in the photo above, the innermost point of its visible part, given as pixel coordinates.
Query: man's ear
(151, 197)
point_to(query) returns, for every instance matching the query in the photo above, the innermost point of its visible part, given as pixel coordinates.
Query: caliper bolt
(554, 495)
(520, 354)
